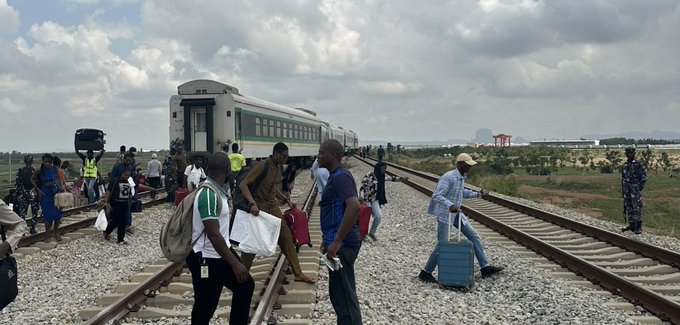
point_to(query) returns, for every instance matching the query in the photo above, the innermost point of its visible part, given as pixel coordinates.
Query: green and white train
(206, 114)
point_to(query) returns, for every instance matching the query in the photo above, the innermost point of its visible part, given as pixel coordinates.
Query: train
(206, 114)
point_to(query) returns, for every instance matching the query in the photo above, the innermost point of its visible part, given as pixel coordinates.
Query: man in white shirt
(194, 173)
(212, 262)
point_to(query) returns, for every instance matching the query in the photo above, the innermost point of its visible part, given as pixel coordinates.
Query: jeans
(342, 288)
(442, 234)
(376, 213)
(207, 291)
(89, 183)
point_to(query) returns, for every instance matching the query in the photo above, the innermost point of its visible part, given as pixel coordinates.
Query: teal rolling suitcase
(456, 262)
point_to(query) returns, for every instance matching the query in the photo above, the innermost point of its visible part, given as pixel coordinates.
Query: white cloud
(10, 106)
(9, 18)
(450, 67)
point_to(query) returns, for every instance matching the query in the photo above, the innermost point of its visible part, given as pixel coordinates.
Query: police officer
(633, 179)
(25, 194)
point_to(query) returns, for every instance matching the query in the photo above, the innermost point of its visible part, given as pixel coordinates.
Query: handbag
(9, 288)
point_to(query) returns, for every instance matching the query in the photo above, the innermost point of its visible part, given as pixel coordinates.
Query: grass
(587, 191)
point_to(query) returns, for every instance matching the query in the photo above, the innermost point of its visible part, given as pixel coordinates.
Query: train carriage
(206, 113)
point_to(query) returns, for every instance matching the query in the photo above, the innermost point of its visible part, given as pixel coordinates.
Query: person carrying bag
(12, 228)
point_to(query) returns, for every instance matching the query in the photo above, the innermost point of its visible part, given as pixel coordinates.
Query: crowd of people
(213, 263)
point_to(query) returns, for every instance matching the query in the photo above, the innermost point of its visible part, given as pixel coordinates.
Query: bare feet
(303, 278)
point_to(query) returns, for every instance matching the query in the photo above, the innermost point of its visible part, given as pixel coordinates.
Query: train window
(271, 128)
(278, 129)
(258, 131)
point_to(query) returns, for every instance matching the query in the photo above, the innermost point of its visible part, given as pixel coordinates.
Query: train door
(198, 124)
(199, 129)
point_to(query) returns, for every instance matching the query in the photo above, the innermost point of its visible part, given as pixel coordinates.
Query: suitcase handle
(448, 237)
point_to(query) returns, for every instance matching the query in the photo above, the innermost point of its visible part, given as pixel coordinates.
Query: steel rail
(663, 308)
(271, 293)
(37, 237)
(131, 300)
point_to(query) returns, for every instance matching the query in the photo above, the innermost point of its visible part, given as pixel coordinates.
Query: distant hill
(656, 134)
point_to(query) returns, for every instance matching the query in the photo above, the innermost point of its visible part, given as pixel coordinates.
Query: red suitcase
(180, 194)
(364, 220)
(298, 222)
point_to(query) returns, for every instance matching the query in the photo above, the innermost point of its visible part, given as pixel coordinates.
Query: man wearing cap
(447, 198)
(633, 179)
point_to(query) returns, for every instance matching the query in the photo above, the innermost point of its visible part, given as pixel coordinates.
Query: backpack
(25, 175)
(238, 199)
(175, 238)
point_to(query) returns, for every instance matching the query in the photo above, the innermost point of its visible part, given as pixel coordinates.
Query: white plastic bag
(101, 222)
(261, 234)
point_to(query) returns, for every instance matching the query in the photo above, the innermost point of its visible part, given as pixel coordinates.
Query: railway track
(643, 274)
(164, 289)
(74, 219)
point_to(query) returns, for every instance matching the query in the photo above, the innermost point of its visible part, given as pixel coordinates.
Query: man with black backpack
(25, 194)
(260, 188)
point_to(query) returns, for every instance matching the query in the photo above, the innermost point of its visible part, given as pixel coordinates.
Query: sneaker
(122, 242)
(373, 237)
(490, 270)
(107, 236)
(426, 277)
(32, 231)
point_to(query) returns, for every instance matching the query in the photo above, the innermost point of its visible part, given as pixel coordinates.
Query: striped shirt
(450, 191)
(205, 208)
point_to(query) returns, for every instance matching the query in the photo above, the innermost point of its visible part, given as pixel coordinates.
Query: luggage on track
(364, 220)
(456, 261)
(298, 222)
(89, 139)
(64, 200)
(180, 194)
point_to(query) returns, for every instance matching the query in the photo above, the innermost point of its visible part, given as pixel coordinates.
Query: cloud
(10, 106)
(9, 18)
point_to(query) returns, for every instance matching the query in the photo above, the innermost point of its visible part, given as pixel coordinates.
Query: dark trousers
(154, 182)
(119, 212)
(207, 291)
(232, 181)
(342, 288)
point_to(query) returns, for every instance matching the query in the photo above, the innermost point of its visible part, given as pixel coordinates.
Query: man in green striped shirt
(212, 262)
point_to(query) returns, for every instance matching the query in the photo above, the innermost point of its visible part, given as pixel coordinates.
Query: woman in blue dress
(46, 184)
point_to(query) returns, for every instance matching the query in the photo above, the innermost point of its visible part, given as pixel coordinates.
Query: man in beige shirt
(15, 228)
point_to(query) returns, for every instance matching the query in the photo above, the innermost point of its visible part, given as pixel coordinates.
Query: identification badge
(204, 270)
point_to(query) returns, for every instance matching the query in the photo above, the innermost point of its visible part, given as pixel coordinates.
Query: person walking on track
(90, 172)
(633, 180)
(447, 198)
(372, 193)
(46, 183)
(264, 197)
(340, 234)
(212, 262)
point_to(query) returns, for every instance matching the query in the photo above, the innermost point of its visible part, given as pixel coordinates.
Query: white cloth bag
(101, 222)
(257, 235)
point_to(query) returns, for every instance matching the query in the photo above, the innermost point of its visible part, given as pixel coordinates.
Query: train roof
(205, 86)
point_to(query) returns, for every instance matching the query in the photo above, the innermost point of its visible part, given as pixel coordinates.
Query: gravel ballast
(390, 293)
(54, 285)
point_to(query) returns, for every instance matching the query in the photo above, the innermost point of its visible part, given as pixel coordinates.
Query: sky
(391, 70)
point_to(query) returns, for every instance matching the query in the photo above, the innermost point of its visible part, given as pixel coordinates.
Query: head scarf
(380, 194)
